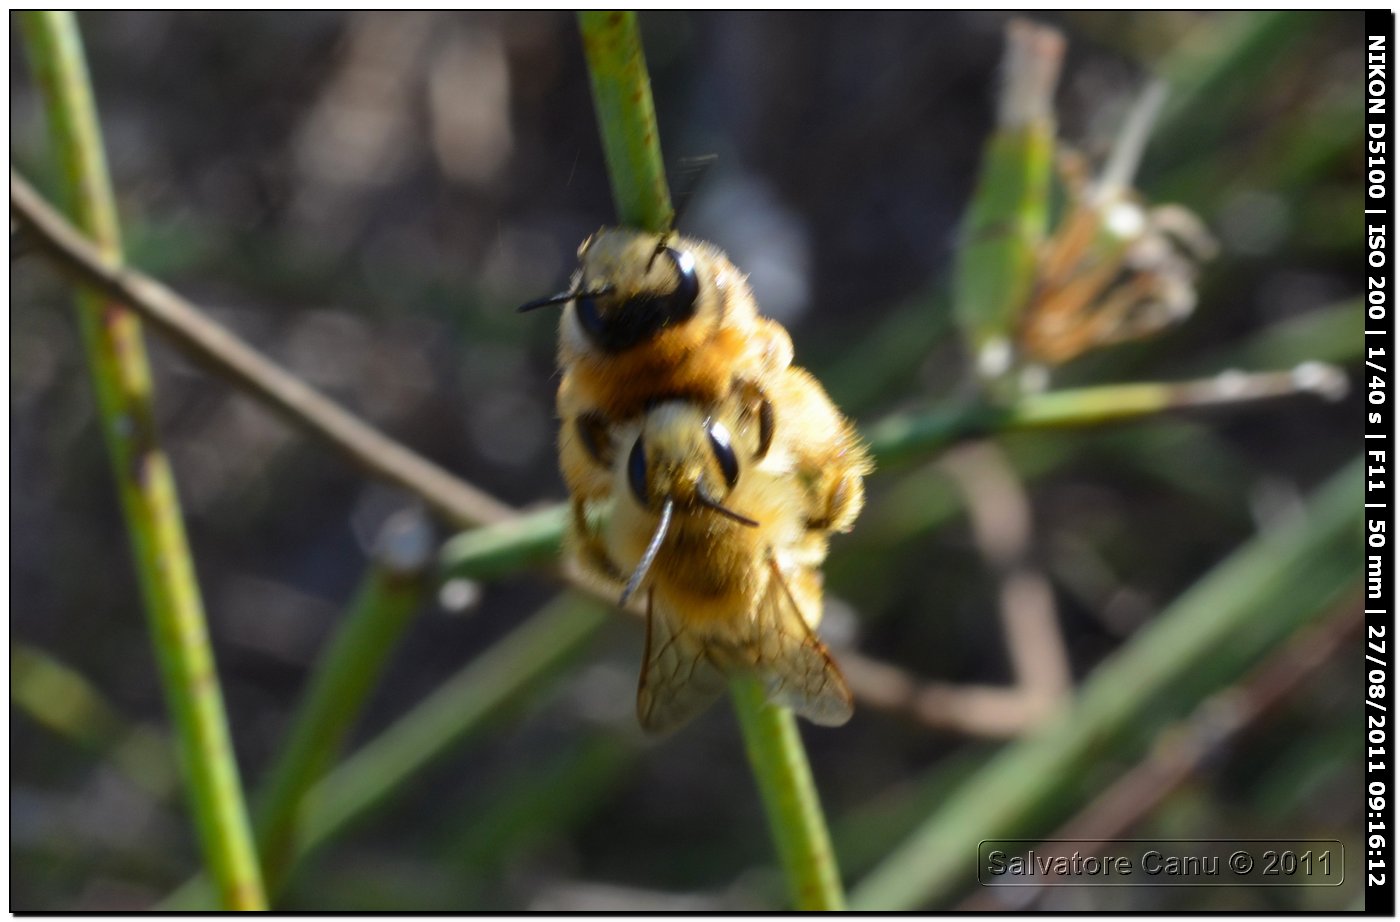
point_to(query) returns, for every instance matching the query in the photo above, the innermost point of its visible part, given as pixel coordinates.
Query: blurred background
(365, 197)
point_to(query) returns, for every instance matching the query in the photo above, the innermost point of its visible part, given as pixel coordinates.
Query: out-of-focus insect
(723, 515)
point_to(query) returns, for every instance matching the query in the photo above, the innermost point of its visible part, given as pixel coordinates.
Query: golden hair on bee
(706, 473)
(723, 520)
(650, 315)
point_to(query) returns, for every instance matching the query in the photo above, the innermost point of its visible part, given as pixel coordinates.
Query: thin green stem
(904, 436)
(612, 46)
(790, 799)
(1006, 219)
(191, 330)
(64, 701)
(507, 547)
(496, 550)
(482, 691)
(1211, 71)
(1244, 607)
(463, 704)
(347, 671)
(533, 537)
(116, 356)
(627, 122)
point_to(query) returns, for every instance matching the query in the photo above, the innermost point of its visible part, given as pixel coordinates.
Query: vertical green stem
(476, 698)
(626, 118)
(627, 121)
(345, 674)
(1246, 605)
(1006, 219)
(789, 798)
(112, 339)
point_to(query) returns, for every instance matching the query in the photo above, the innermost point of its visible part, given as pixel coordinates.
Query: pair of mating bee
(705, 470)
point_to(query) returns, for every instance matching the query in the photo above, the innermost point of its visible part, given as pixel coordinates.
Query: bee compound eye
(590, 319)
(637, 471)
(641, 317)
(723, 448)
(680, 303)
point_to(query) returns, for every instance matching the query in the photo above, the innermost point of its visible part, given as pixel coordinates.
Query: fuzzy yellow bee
(650, 316)
(701, 462)
(723, 514)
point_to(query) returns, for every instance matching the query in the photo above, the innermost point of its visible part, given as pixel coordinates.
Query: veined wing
(794, 664)
(679, 677)
(684, 670)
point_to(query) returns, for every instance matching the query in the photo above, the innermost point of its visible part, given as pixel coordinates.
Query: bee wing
(794, 665)
(684, 671)
(679, 678)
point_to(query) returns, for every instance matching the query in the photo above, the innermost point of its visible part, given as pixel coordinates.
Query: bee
(650, 317)
(702, 462)
(726, 512)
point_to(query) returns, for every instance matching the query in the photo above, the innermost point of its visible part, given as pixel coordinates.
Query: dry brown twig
(1001, 523)
(449, 496)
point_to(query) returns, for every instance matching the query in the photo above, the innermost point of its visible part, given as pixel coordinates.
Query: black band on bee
(637, 471)
(640, 318)
(723, 448)
(592, 429)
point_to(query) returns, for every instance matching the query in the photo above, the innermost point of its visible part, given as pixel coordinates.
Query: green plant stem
(894, 440)
(61, 699)
(195, 334)
(1213, 69)
(627, 123)
(498, 550)
(790, 799)
(617, 69)
(483, 690)
(545, 801)
(906, 436)
(1245, 606)
(346, 673)
(116, 356)
(1006, 219)
(463, 704)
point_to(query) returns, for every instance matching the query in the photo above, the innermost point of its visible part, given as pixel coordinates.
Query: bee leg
(592, 429)
(756, 414)
(842, 503)
(589, 549)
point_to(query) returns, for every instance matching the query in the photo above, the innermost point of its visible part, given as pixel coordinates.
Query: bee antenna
(690, 171)
(562, 297)
(649, 555)
(724, 510)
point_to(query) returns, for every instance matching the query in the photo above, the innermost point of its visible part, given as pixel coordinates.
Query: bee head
(646, 286)
(631, 286)
(686, 456)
